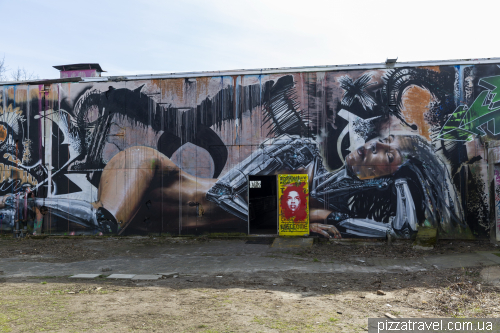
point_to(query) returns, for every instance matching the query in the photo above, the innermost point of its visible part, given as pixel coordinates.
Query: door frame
(277, 204)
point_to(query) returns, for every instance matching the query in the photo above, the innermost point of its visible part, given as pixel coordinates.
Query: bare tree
(21, 74)
(3, 69)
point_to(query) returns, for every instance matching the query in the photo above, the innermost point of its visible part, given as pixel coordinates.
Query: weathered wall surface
(388, 150)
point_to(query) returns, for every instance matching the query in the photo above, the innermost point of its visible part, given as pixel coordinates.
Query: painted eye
(390, 157)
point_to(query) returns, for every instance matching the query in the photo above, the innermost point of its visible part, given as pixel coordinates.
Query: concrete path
(236, 256)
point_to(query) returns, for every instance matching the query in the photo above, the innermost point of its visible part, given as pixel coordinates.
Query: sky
(162, 36)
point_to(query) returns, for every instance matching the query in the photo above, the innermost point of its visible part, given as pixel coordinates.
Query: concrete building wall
(386, 150)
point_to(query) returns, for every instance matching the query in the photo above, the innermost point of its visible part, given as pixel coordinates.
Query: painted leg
(124, 181)
(133, 176)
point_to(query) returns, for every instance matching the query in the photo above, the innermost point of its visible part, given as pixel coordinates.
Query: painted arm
(317, 223)
(284, 153)
(403, 225)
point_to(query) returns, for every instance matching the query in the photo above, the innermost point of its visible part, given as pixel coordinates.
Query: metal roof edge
(260, 71)
(45, 81)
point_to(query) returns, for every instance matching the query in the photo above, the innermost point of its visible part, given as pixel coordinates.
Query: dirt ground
(70, 249)
(352, 251)
(258, 302)
(234, 303)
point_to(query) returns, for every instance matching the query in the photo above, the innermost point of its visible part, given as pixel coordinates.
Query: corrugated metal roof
(261, 71)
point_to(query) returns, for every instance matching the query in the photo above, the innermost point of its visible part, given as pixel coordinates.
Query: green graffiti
(466, 122)
(493, 84)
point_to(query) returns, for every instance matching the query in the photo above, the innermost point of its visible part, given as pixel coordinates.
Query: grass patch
(18, 314)
(4, 323)
(47, 277)
(289, 326)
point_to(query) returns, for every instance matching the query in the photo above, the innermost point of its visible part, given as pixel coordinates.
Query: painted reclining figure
(371, 196)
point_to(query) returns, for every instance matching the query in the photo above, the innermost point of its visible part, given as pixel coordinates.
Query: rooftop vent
(79, 70)
(391, 61)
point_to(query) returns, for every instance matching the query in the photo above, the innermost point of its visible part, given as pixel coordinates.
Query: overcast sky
(140, 37)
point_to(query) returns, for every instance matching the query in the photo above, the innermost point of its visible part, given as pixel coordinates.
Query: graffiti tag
(466, 122)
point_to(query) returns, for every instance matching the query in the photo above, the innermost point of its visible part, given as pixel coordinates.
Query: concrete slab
(84, 276)
(121, 276)
(491, 275)
(492, 256)
(146, 277)
(234, 256)
(289, 242)
(459, 260)
(167, 275)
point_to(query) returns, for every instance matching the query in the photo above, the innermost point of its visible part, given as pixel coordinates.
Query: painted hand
(325, 229)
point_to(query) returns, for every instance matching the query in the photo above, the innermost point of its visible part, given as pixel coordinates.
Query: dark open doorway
(262, 202)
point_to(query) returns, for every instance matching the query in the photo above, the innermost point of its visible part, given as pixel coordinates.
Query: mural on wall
(468, 122)
(497, 196)
(385, 151)
(293, 194)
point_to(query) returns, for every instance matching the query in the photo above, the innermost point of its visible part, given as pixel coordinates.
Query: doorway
(262, 205)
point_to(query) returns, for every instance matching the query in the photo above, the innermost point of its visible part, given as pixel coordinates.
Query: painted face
(3, 133)
(376, 158)
(293, 200)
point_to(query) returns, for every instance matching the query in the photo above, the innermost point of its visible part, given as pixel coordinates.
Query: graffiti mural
(385, 152)
(468, 122)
